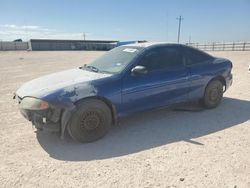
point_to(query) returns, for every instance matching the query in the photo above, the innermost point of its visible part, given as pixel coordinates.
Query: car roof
(146, 45)
(151, 44)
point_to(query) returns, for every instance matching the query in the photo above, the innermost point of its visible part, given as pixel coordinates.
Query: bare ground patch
(164, 148)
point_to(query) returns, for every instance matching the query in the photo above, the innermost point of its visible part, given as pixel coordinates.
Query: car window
(162, 58)
(193, 56)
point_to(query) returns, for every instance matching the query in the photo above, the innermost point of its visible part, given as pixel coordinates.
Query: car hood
(52, 82)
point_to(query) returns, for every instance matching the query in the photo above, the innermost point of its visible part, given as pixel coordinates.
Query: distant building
(50, 44)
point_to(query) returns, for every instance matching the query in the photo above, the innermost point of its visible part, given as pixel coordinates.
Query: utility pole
(167, 28)
(179, 30)
(189, 40)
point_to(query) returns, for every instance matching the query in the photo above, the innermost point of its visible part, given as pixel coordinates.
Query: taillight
(231, 64)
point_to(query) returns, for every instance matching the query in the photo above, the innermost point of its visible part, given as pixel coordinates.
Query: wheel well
(221, 79)
(107, 102)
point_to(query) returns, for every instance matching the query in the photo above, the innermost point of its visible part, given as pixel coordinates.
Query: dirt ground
(164, 148)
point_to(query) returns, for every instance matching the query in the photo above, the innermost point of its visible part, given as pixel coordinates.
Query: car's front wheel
(91, 121)
(213, 94)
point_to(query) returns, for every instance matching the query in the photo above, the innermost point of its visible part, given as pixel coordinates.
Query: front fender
(65, 99)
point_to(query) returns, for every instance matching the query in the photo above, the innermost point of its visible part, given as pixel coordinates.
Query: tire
(91, 121)
(213, 94)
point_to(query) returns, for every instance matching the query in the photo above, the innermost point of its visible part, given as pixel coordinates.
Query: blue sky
(153, 20)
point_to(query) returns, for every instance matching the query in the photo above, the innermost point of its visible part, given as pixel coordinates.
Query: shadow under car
(149, 130)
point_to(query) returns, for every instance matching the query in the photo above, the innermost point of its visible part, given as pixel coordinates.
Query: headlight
(30, 103)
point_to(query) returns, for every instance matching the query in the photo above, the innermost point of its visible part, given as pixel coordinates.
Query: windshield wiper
(92, 68)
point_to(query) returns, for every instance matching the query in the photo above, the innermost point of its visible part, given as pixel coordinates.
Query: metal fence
(233, 46)
(4, 46)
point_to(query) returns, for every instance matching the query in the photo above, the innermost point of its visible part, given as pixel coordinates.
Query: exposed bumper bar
(48, 120)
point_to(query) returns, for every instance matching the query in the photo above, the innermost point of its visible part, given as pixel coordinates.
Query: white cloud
(9, 26)
(30, 27)
(13, 26)
(26, 32)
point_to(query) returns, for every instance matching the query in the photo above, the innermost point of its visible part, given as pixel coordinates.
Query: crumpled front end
(48, 101)
(42, 117)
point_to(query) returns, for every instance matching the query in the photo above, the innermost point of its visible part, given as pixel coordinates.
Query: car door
(165, 82)
(199, 66)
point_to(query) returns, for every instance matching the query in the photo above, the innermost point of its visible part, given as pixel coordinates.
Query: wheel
(213, 94)
(91, 121)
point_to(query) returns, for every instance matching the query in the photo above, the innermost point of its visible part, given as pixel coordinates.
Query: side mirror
(137, 70)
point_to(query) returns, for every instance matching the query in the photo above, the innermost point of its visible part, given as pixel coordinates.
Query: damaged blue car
(88, 100)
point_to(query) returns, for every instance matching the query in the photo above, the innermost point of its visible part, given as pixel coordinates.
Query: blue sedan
(88, 100)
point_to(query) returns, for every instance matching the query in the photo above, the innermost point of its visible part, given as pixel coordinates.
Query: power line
(179, 29)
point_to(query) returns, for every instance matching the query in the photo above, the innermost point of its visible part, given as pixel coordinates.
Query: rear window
(193, 56)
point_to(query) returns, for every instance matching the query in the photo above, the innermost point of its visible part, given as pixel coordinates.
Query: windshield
(114, 60)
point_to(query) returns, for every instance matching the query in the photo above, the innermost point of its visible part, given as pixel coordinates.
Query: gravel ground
(164, 148)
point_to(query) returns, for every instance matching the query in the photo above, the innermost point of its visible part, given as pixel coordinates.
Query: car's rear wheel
(91, 121)
(213, 94)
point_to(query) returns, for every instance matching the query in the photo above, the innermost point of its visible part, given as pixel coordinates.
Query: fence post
(244, 45)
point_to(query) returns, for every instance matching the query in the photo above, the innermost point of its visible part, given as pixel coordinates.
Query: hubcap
(90, 120)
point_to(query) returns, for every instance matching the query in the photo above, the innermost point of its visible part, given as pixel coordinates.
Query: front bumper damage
(53, 119)
(48, 119)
